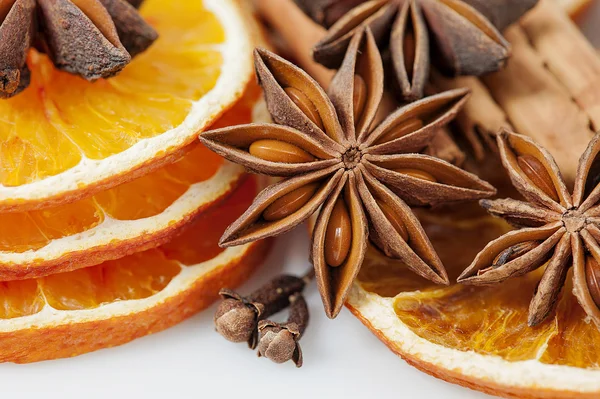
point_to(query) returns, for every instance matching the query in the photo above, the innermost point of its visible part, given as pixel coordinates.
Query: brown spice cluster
(358, 174)
(458, 37)
(557, 230)
(90, 38)
(245, 319)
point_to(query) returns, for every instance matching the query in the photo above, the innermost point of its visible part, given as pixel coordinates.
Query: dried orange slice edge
(116, 227)
(478, 336)
(486, 373)
(132, 127)
(68, 314)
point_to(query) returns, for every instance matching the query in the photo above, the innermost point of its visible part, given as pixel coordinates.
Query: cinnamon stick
(481, 117)
(444, 147)
(537, 90)
(568, 55)
(298, 32)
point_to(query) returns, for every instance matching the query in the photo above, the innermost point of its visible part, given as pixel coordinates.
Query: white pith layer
(529, 374)
(49, 317)
(119, 232)
(115, 232)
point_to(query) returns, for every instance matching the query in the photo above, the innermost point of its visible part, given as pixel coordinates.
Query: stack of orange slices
(110, 209)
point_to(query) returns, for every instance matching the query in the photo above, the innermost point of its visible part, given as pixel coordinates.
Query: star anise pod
(558, 230)
(90, 38)
(327, 12)
(457, 36)
(355, 176)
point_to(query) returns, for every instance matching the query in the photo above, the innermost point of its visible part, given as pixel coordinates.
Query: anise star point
(559, 230)
(459, 37)
(359, 176)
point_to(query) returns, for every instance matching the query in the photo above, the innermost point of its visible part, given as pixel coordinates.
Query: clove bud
(236, 318)
(279, 342)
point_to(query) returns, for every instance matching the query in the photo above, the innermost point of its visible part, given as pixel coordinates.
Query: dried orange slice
(65, 138)
(478, 337)
(131, 217)
(115, 302)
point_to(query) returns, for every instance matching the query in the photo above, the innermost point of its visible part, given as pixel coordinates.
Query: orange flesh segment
(133, 277)
(145, 197)
(62, 119)
(20, 299)
(487, 320)
(19, 233)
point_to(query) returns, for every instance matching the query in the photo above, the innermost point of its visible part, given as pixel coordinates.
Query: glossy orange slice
(64, 138)
(115, 302)
(131, 217)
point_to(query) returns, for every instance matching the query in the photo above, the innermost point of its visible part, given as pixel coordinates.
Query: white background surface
(342, 358)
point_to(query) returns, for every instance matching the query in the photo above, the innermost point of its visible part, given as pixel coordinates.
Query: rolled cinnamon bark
(481, 118)
(298, 32)
(549, 88)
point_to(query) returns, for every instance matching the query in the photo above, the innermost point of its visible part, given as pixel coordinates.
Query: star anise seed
(592, 276)
(514, 252)
(538, 174)
(353, 178)
(558, 230)
(457, 36)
